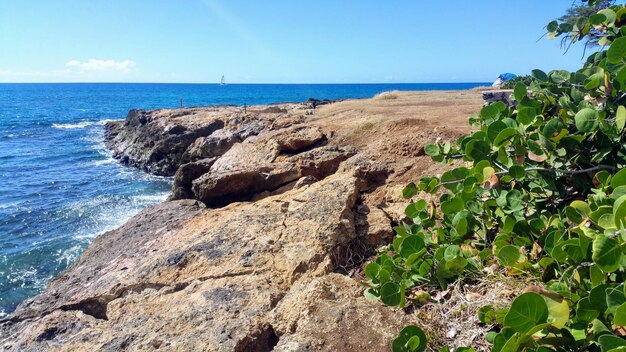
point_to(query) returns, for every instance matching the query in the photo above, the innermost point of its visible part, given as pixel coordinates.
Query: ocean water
(59, 187)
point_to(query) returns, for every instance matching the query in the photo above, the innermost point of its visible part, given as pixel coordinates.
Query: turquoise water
(59, 187)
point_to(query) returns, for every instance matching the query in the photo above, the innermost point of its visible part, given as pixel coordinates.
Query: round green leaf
(594, 81)
(494, 129)
(610, 342)
(517, 172)
(558, 312)
(405, 342)
(452, 252)
(538, 74)
(618, 192)
(489, 112)
(520, 91)
(432, 149)
(452, 206)
(527, 311)
(614, 298)
(617, 51)
(409, 191)
(411, 245)
(371, 270)
(610, 15)
(413, 210)
(526, 115)
(619, 179)
(477, 150)
(508, 255)
(585, 311)
(597, 19)
(552, 128)
(504, 136)
(391, 294)
(586, 120)
(607, 253)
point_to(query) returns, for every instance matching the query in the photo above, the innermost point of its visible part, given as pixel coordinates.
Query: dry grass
(387, 95)
(453, 321)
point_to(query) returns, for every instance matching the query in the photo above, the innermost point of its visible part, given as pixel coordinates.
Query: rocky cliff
(260, 247)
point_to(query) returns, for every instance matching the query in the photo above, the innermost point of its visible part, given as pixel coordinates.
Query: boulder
(252, 167)
(298, 138)
(216, 144)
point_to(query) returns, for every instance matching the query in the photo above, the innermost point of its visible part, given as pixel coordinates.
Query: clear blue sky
(277, 41)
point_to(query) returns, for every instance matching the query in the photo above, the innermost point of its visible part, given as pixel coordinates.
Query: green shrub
(543, 193)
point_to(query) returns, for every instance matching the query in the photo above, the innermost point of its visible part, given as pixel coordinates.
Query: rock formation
(261, 246)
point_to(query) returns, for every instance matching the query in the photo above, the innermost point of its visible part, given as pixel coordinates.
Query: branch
(546, 170)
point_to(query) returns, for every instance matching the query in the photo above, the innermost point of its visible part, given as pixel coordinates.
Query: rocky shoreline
(273, 211)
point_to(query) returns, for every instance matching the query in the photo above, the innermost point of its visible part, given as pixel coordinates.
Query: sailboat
(222, 82)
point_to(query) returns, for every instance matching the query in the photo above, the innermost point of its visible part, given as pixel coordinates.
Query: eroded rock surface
(216, 289)
(299, 196)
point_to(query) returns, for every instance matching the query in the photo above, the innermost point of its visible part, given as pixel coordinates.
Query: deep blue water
(59, 188)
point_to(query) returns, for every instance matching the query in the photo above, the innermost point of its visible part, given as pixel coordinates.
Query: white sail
(222, 82)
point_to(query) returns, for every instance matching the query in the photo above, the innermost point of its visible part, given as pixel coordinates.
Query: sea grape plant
(541, 191)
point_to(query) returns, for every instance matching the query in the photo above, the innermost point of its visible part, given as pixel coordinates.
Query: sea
(60, 187)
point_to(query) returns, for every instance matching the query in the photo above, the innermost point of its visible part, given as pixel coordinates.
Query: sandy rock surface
(273, 213)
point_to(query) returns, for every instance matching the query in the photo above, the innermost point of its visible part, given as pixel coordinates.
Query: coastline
(271, 262)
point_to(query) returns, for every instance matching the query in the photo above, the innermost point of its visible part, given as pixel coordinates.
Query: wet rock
(156, 140)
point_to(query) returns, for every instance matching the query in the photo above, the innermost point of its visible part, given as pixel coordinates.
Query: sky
(278, 41)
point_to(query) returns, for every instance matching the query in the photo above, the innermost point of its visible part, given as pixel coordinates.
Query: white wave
(28, 278)
(108, 160)
(105, 121)
(69, 255)
(109, 212)
(81, 124)
(9, 205)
